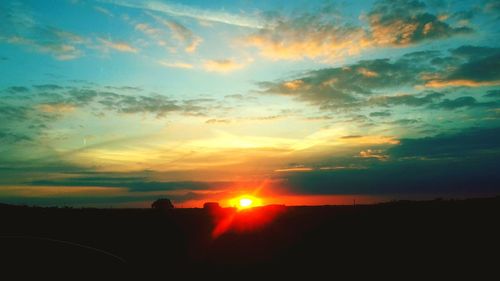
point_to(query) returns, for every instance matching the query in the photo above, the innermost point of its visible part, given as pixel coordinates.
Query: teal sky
(119, 102)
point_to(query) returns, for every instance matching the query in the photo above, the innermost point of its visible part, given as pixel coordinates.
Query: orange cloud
(375, 140)
(298, 169)
(323, 37)
(293, 85)
(56, 108)
(224, 65)
(367, 73)
(397, 32)
(460, 83)
(373, 153)
(176, 64)
(147, 29)
(118, 46)
(182, 34)
(328, 44)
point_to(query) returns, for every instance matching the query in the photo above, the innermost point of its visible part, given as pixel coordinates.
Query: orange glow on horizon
(245, 202)
(287, 200)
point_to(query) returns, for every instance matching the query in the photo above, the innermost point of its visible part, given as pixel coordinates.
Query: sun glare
(245, 202)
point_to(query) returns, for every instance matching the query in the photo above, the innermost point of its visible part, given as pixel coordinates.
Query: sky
(114, 103)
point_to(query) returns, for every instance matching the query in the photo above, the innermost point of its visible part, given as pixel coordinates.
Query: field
(449, 237)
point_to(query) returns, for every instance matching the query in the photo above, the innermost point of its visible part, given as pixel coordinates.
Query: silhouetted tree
(211, 206)
(162, 204)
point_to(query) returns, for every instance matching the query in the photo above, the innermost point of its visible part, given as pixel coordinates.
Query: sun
(245, 202)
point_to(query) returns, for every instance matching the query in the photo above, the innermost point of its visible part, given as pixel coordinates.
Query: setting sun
(245, 202)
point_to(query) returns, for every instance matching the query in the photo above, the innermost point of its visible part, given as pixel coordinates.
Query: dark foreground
(449, 238)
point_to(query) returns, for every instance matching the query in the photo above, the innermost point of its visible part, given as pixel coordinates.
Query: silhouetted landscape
(417, 237)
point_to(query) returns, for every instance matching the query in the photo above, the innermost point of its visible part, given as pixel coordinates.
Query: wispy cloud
(179, 10)
(20, 27)
(61, 45)
(148, 29)
(103, 11)
(182, 34)
(118, 46)
(176, 64)
(223, 65)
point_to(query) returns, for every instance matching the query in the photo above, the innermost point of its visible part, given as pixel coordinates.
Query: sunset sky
(114, 103)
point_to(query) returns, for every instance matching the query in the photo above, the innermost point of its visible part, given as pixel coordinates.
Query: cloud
(477, 68)
(492, 7)
(296, 169)
(344, 86)
(373, 153)
(177, 64)
(323, 34)
(460, 83)
(218, 121)
(462, 102)
(180, 10)
(222, 65)
(158, 35)
(147, 29)
(367, 73)
(14, 112)
(17, 90)
(493, 94)
(380, 114)
(461, 163)
(118, 46)
(12, 137)
(125, 88)
(51, 99)
(158, 105)
(368, 82)
(403, 178)
(405, 22)
(457, 103)
(406, 99)
(103, 11)
(56, 108)
(480, 70)
(358, 140)
(48, 87)
(20, 27)
(135, 184)
(308, 36)
(59, 44)
(21, 124)
(181, 33)
(404, 122)
(460, 144)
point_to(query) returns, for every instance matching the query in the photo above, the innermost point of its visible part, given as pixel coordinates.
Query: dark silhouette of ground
(418, 239)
